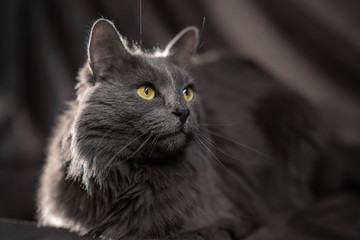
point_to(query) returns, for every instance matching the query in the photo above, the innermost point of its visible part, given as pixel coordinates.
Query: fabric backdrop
(313, 46)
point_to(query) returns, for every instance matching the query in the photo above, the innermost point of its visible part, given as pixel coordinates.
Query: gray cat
(134, 156)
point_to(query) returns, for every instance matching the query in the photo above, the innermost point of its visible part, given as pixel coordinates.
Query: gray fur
(122, 166)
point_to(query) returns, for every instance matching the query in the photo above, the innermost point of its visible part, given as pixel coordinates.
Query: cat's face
(139, 107)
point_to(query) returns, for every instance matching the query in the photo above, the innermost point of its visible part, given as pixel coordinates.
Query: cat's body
(106, 175)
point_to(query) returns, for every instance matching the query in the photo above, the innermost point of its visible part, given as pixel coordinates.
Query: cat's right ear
(183, 47)
(105, 48)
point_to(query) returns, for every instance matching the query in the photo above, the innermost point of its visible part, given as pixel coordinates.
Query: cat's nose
(182, 113)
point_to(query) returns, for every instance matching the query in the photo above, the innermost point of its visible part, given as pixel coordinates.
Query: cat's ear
(105, 48)
(182, 47)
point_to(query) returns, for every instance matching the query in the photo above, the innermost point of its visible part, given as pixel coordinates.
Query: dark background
(313, 46)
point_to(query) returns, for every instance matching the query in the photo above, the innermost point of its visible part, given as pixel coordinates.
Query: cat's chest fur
(151, 201)
(136, 201)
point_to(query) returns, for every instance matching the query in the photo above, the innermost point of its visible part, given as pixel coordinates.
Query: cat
(165, 145)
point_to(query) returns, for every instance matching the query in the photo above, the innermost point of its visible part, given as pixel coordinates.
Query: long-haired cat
(138, 154)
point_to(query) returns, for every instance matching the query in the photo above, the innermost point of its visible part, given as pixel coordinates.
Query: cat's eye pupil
(185, 91)
(146, 92)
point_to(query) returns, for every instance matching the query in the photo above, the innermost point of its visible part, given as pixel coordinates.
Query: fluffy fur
(120, 166)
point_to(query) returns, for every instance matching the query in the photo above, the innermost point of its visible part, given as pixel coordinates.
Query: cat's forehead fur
(160, 72)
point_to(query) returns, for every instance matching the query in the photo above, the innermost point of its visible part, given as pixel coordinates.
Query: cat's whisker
(122, 149)
(101, 141)
(239, 144)
(207, 148)
(134, 153)
(201, 32)
(221, 150)
(202, 27)
(141, 146)
(228, 172)
(201, 44)
(140, 23)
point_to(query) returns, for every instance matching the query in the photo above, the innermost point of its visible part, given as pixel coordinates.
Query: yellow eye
(188, 93)
(146, 92)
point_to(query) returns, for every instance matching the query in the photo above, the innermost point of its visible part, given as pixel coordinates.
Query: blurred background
(312, 46)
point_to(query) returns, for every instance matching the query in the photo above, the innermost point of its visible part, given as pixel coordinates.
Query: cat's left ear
(182, 47)
(106, 49)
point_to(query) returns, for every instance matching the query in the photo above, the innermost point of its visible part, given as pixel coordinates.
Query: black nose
(182, 114)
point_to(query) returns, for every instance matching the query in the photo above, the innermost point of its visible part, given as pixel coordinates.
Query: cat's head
(135, 105)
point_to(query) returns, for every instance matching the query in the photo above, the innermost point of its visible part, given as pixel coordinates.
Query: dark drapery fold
(43, 43)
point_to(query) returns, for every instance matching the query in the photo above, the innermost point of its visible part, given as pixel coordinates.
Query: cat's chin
(172, 142)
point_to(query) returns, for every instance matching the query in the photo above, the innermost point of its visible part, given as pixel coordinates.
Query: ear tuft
(105, 47)
(182, 47)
